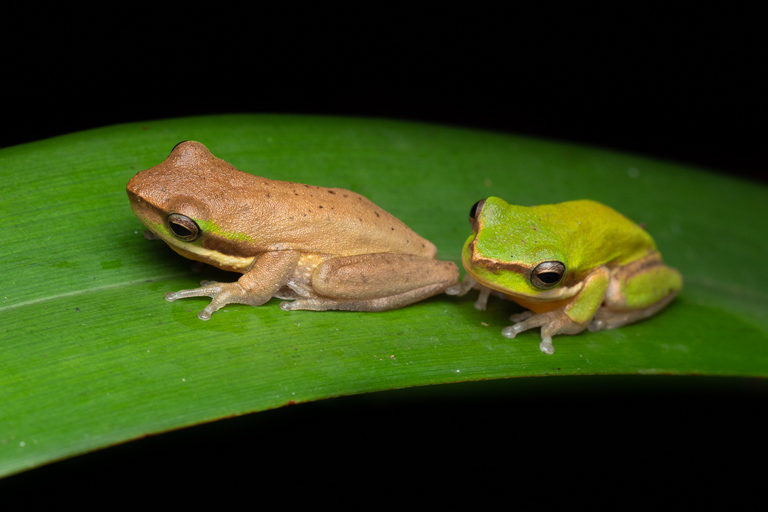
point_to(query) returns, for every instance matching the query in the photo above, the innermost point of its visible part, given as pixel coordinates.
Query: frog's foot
(551, 323)
(221, 293)
(524, 321)
(268, 276)
(546, 341)
(528, 320)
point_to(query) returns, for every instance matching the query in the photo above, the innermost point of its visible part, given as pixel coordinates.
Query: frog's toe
(463, 287)
(512, 330)
(546, 345)
(204, 291)
(525, 320)
(172, 296)
(453, 290)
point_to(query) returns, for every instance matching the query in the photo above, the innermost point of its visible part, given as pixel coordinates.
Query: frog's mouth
(562, 293)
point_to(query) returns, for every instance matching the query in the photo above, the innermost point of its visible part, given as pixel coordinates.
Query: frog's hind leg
(372, 282)
(380, 304)
(607, 318)
(637, 291)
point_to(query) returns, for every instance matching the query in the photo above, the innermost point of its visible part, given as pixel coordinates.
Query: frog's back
(267, 215)
(583, 232)
(339, 220)
(598, 233)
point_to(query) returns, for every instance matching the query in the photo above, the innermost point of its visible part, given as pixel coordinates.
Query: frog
(319, 248)
(573, 266)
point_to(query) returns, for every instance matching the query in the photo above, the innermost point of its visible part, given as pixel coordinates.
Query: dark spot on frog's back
(331, 192)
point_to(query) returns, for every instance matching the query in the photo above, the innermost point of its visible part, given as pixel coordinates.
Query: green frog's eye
(547, 274)
(474, 212)
(183, 227)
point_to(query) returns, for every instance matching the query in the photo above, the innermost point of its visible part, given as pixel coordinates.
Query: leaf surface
(91, 355)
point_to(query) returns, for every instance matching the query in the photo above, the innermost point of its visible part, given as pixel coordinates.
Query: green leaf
(91, 355)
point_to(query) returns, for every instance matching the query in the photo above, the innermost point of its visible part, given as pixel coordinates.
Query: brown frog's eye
(183, 227)
(547, 274)
(474, 212)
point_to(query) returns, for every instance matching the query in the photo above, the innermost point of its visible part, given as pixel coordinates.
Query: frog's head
(513, 249)
(185, 200)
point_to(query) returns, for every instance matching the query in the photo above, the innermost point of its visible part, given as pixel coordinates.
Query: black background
(676, 84)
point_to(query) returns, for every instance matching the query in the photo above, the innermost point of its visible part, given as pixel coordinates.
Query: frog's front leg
(637, 291)
(569, 319)
(373, 282)
(270, 272)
